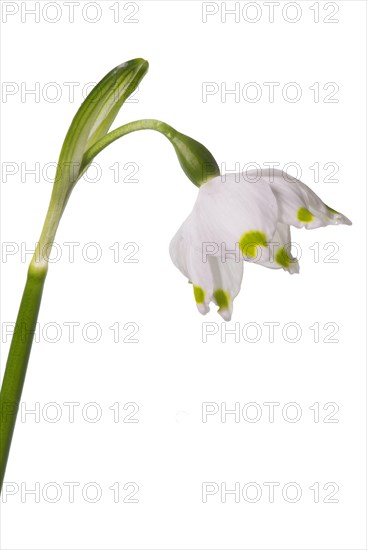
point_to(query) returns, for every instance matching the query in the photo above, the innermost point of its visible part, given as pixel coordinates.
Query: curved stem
(144, 124)
(195, 159)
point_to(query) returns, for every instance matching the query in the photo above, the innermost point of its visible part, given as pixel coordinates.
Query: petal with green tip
(208, 277)
(298, 205)
(278, 253)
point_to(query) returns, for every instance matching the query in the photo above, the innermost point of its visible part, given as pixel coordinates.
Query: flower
(238, 218)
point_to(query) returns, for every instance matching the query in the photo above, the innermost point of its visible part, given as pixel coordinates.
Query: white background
(170, 372)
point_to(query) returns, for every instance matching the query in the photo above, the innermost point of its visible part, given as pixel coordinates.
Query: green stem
(16, 366)
(144, 124)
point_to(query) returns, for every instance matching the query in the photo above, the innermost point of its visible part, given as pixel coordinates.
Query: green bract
(99, 110)
(91, 122)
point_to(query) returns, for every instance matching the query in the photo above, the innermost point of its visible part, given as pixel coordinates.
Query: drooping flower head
(236, 219)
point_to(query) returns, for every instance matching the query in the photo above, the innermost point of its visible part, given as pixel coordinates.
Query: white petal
(227, 279)
(278, 254)
(189, 261)
(234, 214)
(298, 205)
(178, 251)
(213, 279)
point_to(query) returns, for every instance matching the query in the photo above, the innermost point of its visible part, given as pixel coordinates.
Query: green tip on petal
(222, 298)
(199, 294)
(337, 217)
(250, 240)
(304, 215)
(282, 258)
(332, 209)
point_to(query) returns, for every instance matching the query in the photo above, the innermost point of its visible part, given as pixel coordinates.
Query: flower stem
(144, 124)
(195, 159)
(16, 366)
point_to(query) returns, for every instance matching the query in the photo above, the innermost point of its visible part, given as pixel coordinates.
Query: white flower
(235, 219)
